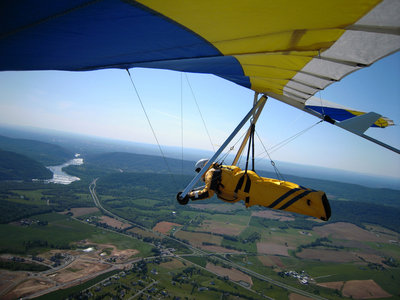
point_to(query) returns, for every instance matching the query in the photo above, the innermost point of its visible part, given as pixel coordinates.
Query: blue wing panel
(100, 34)
(18, 15)
(337, 114)
(240, 80)
(219, 65)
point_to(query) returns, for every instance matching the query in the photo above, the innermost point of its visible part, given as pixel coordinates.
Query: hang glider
(287, 50)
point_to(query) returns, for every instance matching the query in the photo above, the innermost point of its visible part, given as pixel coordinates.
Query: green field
(23, 199)
(182, 281)
(28, 197)
(230, 219)
(121, 242)
(60, 232)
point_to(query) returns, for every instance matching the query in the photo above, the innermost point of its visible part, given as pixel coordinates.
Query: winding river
(61, 177)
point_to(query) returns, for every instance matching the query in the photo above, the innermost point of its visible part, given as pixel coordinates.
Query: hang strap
(251, 145)
(247, 187)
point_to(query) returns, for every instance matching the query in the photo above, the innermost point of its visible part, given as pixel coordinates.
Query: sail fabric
(286, 49)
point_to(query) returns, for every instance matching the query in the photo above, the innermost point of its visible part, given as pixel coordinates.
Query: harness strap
(216, 180)
(251, 145)
(246, 187)
(240, 183)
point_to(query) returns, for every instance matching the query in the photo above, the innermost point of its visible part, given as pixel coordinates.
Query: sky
(104, 103)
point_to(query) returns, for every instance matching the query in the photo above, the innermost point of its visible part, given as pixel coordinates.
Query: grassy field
(197, 239)
(30, 197)
(201, 261)
(240, 220)
(390, 249)
(61, 232)
(145, 202)
(121, 242)
(268, 289)
(240, 246)
(388, 279)
(329, 272)
(253, 263)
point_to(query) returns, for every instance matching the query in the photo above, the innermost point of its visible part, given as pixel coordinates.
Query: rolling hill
(14, 166)
(45, 153)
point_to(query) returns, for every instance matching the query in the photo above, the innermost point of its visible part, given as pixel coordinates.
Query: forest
(45, 153)
(14, 166)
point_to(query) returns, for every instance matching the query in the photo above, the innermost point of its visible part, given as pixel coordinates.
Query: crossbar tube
(246, 138)
(224, 145)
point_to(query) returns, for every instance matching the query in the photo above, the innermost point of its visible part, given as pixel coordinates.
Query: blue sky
(103, 103)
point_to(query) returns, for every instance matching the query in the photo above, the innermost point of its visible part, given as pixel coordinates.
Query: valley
(118, 232)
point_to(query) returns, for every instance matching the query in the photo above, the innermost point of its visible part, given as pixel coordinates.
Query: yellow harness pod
(236, 185)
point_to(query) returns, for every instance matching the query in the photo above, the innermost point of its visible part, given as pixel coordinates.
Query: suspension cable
(151, 127)
(201, 115)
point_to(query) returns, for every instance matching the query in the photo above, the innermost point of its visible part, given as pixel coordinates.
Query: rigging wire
(201, 115)
(277, 172)
(288, 140)
(231, 149)
(152, 129)
(181, 124)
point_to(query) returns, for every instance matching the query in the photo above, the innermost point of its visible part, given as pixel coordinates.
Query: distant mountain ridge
(14, 166)
(45, 153)
(140, 163)
(131, 162)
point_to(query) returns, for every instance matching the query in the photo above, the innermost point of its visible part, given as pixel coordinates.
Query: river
(61, 177)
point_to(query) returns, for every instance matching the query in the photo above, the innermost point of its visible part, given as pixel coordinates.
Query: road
(199, 252)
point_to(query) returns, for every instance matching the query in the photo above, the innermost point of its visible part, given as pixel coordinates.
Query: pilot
(231, 184)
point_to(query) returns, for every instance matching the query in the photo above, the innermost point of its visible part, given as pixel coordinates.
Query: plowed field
(363, 289)
(165, 227)
(233, 274)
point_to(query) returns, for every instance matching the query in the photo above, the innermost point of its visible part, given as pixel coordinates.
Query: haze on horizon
(104, 104)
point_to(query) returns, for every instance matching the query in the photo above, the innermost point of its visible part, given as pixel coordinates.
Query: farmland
(271, 242)
(128, 237)
(269, 251)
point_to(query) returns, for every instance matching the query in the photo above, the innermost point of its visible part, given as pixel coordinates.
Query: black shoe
(182, 201)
